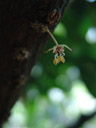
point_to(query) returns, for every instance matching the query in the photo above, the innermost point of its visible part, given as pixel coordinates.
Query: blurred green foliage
(56, 96)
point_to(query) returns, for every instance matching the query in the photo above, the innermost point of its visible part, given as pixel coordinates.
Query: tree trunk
(21, 43)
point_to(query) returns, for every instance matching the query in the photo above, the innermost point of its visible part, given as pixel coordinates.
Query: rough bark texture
(21, 43)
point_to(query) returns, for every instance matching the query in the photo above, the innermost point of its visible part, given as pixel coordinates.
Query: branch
(82, 120)
(21, 43)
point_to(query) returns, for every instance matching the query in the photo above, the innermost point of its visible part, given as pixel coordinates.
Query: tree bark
(21, 43)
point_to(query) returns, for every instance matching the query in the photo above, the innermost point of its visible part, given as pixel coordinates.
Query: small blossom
(58, 49)
(58, 52)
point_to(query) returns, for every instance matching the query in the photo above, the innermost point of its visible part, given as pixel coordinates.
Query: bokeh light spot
(91, 35)
(91, 0)
(56, 95)
(60, 30)
(32, 93)
(37, 71)
(84, 100)
(73, 72)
